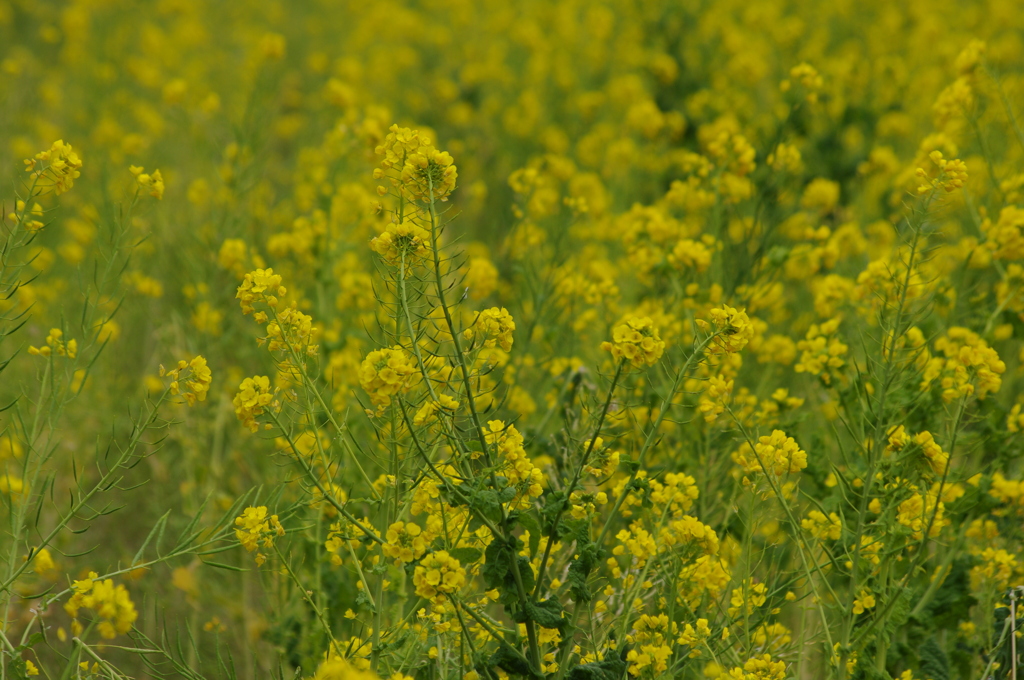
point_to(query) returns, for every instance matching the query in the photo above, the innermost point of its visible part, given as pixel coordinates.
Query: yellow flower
(56, 168)
(822, 527)
(438, 573)
(947, 175)
(492, 327)
(256, 530)
(55, 345)
(111, 603)
(191, 379)
(387, 372)
(405, 542)
(732, 329)
(423, 172)
(636, 341)
(153, 183)
(864, 600)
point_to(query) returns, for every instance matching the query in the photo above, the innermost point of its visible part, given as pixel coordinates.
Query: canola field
(549, 339)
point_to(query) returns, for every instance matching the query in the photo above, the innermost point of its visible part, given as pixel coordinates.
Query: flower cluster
(111, 604)
(151, 182)
(1005, 238)
(254, 397)
(759, 668)
(56, 346)
(947, 175)
(405, 542)
(261, 285)
(428, 411)
(965, 366)
(191, 379)
(636, 342)
(387, 372)
(438, 574)
(293, 331)
(652, 646)
(822, 527)
(401, 241)
(807, 77)
(520, 471)
(775, 454)
(732, 329)
(257, 530)
(492, 327)
(57, 168)
(414, 165)
(821, 351)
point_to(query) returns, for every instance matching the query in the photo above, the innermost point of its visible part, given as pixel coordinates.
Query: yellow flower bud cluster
(1005, 238)
(56, 168)
(822, 351)
(732, 329)
(337, 668)
(55, 345)
(400, 239)
(153, 183)
(261, 285)
(807, 77)
(635, 341)
(688, 530)
(291, 330)
(734, 152)
(995, 571)
(492, 327)
(938, 460)
(254, 397)
(31, 225)
(196, 380)
(415, 166)
(775, 454)
(916, 512)
(691, 254)
(822, 527)
(428, 412)
(759, 668)
(965, 365)
(636, 542)
(747, 597)
(406, 542)
(585, 504)
(652, 650)
(947, 175)
(514, 464)
(111, 603)
(693, 636)
(438, 574)
(386, 372)
(256, 530)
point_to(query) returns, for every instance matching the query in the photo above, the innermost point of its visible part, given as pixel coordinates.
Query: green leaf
(466, 555)
(934, 662)
(556, 503)
(486, 502)
(548, 614)
(582, 564)
(221, 565)
(511, 661)
(609, 669)
(497, 571)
